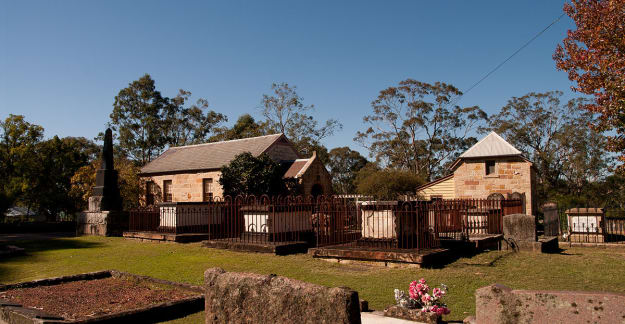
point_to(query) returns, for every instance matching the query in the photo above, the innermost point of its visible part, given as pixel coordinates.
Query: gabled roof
(491, 145)
(299, 167)
(295, 168)
(209, 155)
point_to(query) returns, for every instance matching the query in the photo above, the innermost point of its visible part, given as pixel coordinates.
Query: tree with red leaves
(594, 57)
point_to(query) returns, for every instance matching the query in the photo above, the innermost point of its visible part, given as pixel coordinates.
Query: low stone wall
(102, 223)
(497, 304)
(251, 298)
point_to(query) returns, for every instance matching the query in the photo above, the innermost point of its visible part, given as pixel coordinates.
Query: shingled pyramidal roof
(491, 145)
(210, 155)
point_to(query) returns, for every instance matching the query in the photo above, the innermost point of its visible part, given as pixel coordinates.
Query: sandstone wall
(511, 175)
(185, 186)
(316, 174)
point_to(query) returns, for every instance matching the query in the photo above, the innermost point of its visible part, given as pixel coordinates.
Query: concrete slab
(277, 248)
(166, 237)
(424, 257)
(378, 318)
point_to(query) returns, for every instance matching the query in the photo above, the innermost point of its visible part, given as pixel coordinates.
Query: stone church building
(191, 173)
(490, 168)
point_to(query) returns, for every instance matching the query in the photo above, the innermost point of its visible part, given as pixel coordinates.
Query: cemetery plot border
(130, 298)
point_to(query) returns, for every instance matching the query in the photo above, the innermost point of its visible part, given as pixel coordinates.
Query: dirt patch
(79, 300)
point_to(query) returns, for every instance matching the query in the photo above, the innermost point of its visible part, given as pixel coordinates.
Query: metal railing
(262, 220)
(325, 221)
(596, 230)
(591, 224)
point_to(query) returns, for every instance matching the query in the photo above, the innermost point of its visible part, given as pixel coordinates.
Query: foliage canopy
(250, 175)
(413, 128)
(594, 57)
(386, 184)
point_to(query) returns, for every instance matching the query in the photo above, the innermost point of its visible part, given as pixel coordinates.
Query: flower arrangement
(419, 297)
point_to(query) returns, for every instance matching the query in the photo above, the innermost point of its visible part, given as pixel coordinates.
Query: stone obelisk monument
(105, 216)
(106, 191)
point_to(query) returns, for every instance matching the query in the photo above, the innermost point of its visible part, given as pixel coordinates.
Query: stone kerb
(252, 298)
(498, 304)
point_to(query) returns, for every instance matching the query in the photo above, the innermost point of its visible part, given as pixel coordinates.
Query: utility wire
(452, 103)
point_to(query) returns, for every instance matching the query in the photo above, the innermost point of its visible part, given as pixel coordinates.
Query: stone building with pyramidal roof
(492, 168)
(191, 173)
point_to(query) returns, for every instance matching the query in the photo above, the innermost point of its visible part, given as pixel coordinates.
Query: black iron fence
(324, 221)
(592, 225)
(461, 218)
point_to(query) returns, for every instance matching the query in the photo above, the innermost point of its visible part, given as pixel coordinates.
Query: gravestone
(233, 297)
(519, 227)
(105, 216)
(498, 304)
(551, 219)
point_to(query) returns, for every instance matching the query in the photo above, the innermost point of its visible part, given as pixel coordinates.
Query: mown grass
(581, 268)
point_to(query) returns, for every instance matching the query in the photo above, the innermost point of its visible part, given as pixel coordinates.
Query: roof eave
(431, 183)
(157, 173)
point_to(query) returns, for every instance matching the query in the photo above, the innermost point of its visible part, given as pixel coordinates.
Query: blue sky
(63, 62)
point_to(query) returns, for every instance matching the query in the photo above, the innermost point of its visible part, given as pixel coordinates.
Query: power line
(506, 60)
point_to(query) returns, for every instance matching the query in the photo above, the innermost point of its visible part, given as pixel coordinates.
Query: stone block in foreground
(414, 315)
(233, 297)
(498, 304)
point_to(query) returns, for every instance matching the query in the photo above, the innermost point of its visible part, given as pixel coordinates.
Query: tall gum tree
(146, 122)
(285, 112)
(413, 127)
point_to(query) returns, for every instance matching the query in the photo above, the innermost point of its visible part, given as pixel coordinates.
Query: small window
(490, 167)
(167, 194)
(436, 197)
(207, 189)
(149, 193)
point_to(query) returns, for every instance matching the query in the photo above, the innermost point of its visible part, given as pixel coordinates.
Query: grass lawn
(583, 268)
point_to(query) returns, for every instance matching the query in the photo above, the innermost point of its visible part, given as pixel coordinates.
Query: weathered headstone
(498, 304)
(105, 216)
(252, 298)
(519, 233)
(519, 227)
(551, 219)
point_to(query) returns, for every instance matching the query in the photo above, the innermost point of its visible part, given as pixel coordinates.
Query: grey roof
(208, 156)
(491, 145)
(298, 166)
(19, 211)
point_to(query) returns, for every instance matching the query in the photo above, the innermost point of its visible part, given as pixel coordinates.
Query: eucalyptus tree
(415, 126)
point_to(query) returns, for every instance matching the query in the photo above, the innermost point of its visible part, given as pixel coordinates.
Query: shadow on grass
(53, 244)
(5, 272)
(491, 263)
(559, 251)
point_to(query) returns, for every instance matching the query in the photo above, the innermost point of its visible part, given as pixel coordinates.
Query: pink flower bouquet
(419, 296)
